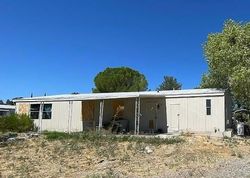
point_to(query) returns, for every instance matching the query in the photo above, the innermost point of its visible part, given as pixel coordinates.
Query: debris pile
(12, 137)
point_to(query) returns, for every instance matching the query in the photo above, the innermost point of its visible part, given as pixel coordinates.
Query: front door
(175, 117)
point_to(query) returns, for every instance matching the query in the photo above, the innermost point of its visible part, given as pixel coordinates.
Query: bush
(242, 117)
(16, 123)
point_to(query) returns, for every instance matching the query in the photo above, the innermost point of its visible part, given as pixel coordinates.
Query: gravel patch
(238, 167)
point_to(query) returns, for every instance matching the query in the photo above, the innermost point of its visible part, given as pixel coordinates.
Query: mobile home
(195, 110)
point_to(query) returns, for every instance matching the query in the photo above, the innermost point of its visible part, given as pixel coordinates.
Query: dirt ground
(195, 157)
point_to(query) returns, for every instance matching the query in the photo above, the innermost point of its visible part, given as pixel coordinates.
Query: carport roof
(123, 95)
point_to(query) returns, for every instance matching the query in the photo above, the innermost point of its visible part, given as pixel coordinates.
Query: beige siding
(76, 123)
(60, 120)
(193, 117)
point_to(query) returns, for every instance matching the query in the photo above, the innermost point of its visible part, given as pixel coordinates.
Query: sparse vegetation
(105, 145)
(95, 137)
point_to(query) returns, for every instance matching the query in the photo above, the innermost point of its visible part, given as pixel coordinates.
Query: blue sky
(58, 46)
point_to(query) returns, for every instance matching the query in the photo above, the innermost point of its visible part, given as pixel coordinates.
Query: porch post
(40, 117)
(137, 115)
(136, 112)
(101, 114)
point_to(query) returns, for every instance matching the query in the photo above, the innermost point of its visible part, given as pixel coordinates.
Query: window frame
(50, 111)
(37, 111)
(208, 107)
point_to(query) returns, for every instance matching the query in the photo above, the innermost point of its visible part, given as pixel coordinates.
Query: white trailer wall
(60, 118)
(189, 114)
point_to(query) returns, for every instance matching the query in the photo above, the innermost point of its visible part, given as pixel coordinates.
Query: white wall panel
(193, 116)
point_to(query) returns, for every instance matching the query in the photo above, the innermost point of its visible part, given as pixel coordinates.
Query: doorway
(175, 117)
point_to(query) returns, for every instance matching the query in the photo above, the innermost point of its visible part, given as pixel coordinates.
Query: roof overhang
(126, 95)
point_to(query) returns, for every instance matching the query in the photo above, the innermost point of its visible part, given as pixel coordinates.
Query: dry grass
(40, 157)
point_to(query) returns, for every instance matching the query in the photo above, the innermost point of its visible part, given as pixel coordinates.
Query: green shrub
(242, 117)
(16, 123)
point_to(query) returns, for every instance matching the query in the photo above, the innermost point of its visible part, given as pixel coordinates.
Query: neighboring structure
(196, 110)
(6, 109)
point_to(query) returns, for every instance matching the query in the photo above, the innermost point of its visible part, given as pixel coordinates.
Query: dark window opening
(47, 109)
(208, 111)
(208, 106)
(35, 110)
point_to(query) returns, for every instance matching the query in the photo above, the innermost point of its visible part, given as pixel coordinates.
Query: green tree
(119, 79)
(169, 83)
(228, 57)
(240, 84)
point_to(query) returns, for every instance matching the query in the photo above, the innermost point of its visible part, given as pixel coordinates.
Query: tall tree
(119, 79)
(169, 83)
(240, 84)
(228, 57)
